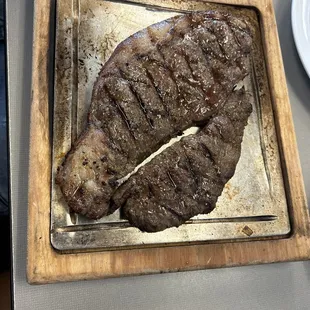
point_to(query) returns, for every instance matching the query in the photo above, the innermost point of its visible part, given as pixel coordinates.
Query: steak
(187, 178)
(168, 77)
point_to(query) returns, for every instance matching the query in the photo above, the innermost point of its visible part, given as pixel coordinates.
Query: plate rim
(297, 20)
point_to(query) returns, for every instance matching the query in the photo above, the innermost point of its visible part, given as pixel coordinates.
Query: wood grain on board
(45, 265)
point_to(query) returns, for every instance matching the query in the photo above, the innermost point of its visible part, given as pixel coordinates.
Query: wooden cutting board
(46, 265)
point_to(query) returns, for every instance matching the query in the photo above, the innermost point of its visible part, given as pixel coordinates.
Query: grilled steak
(158, 82)
(187, 178)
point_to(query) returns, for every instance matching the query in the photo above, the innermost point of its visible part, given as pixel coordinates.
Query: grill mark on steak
(158, 92)
(220, 47)
(217, 54)
(118, 147)
(225, 40)
(171, 179)
(142, 99)
(208, 155)
(121, 113)
(143, 108)
(165, 64)
(170, 72)
(189, 165)
(196, 167)
(116, 141)
(190, 81)
(144, 84)
(194, 76)
(236, 38)
(151, 191)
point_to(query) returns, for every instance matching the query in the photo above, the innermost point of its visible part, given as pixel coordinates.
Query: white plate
(301, 30)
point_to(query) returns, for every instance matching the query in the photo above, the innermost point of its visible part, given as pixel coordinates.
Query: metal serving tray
(253, 204)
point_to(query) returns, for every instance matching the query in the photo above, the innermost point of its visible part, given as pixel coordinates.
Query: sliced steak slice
(158, 82)
(187, 178)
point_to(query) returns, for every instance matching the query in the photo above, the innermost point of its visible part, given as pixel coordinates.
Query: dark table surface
(277, 286)
(3, 137)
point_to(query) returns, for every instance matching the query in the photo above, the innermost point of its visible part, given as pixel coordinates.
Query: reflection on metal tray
(253, 203)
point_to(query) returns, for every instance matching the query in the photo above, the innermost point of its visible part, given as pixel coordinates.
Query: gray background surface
(277, 286)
